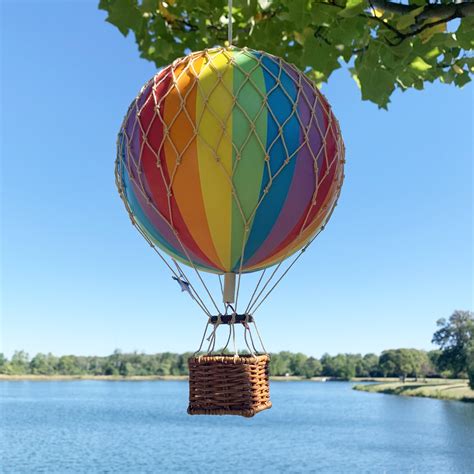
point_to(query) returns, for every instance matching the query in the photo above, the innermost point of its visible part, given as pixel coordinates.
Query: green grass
(436, 388)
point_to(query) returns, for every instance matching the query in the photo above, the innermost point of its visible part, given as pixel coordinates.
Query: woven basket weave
(228, 385)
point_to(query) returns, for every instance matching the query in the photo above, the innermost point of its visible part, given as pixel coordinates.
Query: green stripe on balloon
(248, 157)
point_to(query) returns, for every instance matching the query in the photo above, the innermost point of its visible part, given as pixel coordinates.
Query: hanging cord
(212, 339)
(262, 274)
(228, 340)
(259, 337)
(229, 23)
(202, 340)
(252, 304)
(247, 330)
(254, 309)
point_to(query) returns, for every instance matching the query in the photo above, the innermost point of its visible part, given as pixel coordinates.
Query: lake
(142, 427)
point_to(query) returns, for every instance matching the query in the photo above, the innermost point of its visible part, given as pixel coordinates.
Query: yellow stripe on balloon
(214, 144)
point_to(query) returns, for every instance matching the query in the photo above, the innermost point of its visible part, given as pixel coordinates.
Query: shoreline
(112, 378)
(119, 378)
(439, 389)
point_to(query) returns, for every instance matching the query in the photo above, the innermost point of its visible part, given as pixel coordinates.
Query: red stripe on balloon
(154, 169)
(140, 185)
(330, 164)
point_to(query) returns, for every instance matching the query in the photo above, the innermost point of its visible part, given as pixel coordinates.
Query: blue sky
(77, 278)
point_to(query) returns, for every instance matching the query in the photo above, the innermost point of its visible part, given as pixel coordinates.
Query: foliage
(117, 363)
(470, 364)
(340, 366)
(42, 364)
(454, 337)
(384, 45)
(405, 362)
(19, 363)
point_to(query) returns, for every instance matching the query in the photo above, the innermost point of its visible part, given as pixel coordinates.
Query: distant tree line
(455, 358)
(118, 363)
(391, 363)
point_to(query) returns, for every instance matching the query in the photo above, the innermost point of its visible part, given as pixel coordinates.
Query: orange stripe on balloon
(181, 155)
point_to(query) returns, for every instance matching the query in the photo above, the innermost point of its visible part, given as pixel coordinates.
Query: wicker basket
(228, 385)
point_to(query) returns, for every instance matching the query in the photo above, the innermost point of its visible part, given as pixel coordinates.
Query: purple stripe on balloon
(303, 183)
(132, 129)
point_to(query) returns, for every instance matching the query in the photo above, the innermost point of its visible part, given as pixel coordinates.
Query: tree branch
(431, 10)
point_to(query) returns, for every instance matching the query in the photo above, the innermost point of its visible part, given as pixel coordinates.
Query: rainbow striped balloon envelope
(229, 160)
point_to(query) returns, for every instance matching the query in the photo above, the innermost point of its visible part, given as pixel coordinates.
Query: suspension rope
(262, 274)
(264, 286)
(202, 340)
(247, 330)
(228, 340)
(259, 337)
(284, 273)
(236, 352)
(229, 23)
(251, 339)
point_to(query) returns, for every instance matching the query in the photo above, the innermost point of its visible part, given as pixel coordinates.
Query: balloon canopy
(229, 160)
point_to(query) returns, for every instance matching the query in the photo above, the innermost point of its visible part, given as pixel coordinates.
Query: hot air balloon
(229, 161)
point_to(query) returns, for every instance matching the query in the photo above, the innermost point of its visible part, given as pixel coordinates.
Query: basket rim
(230, 358)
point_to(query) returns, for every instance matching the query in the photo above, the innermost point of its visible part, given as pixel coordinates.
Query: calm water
(142, 427)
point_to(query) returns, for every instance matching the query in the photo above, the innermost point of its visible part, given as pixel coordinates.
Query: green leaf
(377, 82)
(323, 14)
(376, 85)
(380, 62)
(320, 56)
(462, 79)
(433, 53)
(298, 13)
(409, 19)
(149, 6)
(447, 77)
(346, 31)
(420, 65)
(353, 8)
(465, 33)
(125, 15)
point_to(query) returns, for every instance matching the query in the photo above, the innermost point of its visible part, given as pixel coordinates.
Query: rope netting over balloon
(229, 161)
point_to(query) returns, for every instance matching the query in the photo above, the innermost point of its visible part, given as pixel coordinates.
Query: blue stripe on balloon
(282, 107)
